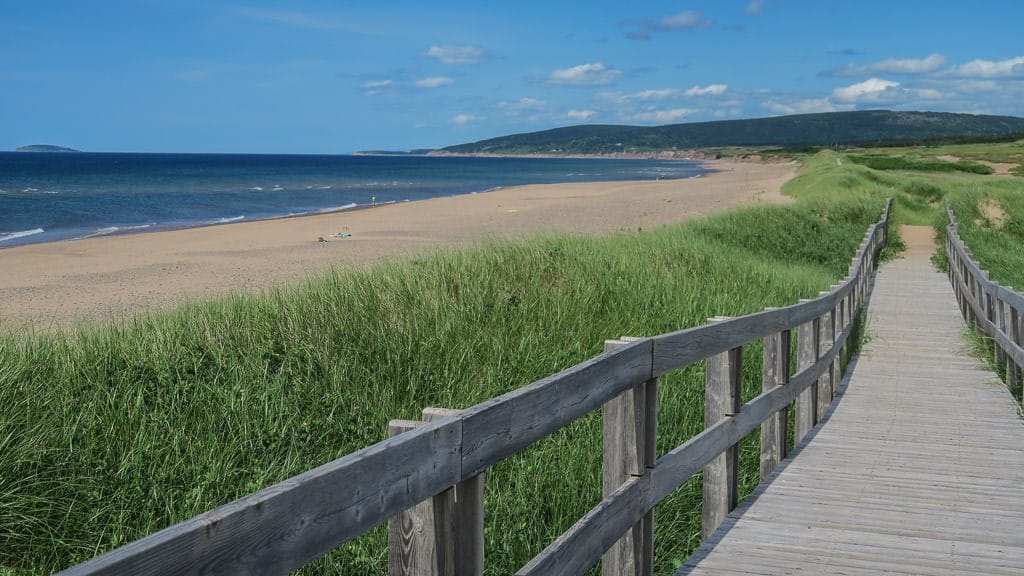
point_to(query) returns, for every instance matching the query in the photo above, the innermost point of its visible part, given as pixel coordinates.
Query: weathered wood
(626, 455)
(467, 516)
(916, 472)
(289, 524)
(1015, 336)
(1003, 341)
(722, 399)
(650, 457)
(991, 313)
(838, 325)
(775, 372)
(676, 467)
(977, 293)
(678, 349)
(827, 382)
(421, 539)
(505, 425)
(579, 548)
(1002, 321)
(807, 402)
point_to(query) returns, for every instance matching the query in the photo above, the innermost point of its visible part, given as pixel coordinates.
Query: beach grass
(110, 433)
(991, 224)
(888, 162)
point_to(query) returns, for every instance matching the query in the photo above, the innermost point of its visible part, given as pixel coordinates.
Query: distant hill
(44, 148)
(802, 130)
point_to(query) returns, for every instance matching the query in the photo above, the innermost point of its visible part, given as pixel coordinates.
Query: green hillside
(827, 129)
(44, 148)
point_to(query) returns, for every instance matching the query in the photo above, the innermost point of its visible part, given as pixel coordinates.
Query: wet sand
(46, 286)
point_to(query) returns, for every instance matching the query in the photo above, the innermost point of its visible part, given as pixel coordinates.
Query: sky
(337, 77)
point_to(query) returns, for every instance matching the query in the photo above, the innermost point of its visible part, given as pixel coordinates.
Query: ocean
(48, 197)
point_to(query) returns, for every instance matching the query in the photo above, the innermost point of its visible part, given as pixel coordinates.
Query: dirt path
(920, 240)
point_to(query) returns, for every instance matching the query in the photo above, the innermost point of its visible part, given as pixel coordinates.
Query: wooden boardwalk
(918, 468)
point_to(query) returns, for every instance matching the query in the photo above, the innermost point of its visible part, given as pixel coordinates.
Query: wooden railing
(437, 463)
(994, 310)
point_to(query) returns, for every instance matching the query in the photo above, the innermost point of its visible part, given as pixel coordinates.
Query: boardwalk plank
(918, 469)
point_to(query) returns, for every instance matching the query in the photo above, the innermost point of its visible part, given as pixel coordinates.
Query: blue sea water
(46, 197)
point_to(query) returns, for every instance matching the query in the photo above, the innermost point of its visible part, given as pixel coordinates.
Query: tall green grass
(888, 162)
(110, 433)
(828, 176)
(997, 243)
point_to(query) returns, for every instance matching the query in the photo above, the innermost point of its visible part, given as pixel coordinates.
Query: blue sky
(335, 77)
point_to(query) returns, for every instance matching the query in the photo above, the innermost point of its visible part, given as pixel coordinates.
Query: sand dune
(58, 284)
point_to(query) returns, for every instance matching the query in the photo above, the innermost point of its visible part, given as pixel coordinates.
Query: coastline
(51, 200)
(57, 284)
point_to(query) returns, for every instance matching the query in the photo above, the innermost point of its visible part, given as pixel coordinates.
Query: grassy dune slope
(115, 432)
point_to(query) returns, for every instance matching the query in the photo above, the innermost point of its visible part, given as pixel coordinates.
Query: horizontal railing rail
(289, 524)
(992, 309)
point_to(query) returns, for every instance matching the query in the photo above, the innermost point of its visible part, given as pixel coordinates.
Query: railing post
(806, 355)
(443, 535)
(999, 318)
(992, 313)
(722, 393)
(826, 379)
(467, 516)
(835, 328)
(420, 539)
(775, 372)
(965, 281)
(969, 281)
(630, 434)
(979, 298)
(1015, 335)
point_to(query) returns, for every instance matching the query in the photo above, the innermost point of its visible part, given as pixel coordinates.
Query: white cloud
(596, 74)
(462, 119)
(870, 90)
(612, 98)
(972, 86)
(620, 99)
(894, 66)
(754, 8)
(524, 104)
(659, 94)
(456, 54)
(374, 87)
(687, 20)
(926, 93)
(581, 114)
(433, 82)
(990, 69)
(709, 90)
(909, 65)
(808, 106)
(662, 116)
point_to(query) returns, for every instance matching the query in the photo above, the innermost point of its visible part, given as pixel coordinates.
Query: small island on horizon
(44, 148)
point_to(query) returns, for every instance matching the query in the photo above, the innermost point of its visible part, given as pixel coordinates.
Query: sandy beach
(56, 285)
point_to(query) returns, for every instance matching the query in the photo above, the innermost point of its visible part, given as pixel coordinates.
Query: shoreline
(55, 285)
(28, 237)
